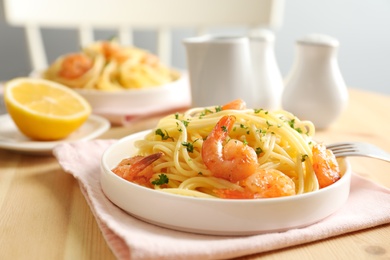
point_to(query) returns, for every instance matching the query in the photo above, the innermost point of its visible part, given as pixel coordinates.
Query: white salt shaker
(268, 81)
(314, 88)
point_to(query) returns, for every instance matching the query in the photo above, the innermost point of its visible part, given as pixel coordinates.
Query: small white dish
(218, 216)
(12, 139)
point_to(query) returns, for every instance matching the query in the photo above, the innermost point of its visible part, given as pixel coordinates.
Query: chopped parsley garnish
(218, 109)
(258, 150)
(185, 122)
(164, 136)
(304, 157)
(179, 129)
(224, 128)
(207, 111)
(258, 110)
(189, 146)
(162, 179)
(291, 123)
(242, 126)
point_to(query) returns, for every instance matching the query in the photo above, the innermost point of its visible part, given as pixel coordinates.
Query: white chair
(127, 15)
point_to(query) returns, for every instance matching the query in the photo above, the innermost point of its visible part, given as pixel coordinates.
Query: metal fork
(358, 149)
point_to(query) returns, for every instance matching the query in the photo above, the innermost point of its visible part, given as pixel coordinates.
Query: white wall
(362, 27)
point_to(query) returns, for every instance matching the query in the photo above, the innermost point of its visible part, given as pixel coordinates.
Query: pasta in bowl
(109, 66)
(121, 80)
(226, 171)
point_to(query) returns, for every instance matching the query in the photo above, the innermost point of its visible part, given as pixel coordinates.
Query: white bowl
(114, 105)
(218, 216)
(139, 101)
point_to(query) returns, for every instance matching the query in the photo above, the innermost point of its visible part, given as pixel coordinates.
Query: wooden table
(43, 214)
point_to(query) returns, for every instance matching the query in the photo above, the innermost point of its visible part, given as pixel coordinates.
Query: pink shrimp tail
(237, 104)
(137, 169)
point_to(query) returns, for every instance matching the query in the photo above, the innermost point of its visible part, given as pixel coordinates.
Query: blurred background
(361, 26)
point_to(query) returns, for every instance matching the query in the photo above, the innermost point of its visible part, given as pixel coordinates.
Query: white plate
(12, 139)
(218, 216)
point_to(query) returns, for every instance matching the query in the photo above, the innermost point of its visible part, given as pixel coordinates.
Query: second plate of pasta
(121, 81)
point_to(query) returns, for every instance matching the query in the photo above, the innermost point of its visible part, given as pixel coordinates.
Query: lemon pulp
(45, 110)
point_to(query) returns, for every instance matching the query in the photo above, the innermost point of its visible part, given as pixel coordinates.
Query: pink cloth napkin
(129, 238)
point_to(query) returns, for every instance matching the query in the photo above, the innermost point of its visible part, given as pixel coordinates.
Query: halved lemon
(45, 110)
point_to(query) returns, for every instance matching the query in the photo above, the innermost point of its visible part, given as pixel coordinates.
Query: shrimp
(75, 65)
(325, 166)
(227, 158)
(137, 169)
(150, 59)
(237, 104)
(269, 183)
(112, 51)
(237, 162)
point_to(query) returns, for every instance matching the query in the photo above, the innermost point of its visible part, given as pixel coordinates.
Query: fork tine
(358, 149)
(338, 145)
(341, 147)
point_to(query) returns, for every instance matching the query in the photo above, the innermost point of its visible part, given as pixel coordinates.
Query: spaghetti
(281, 141)
(106, 65)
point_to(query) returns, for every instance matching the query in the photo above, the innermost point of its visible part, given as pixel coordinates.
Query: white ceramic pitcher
(219, 69)
(224, 68)
(268, 81)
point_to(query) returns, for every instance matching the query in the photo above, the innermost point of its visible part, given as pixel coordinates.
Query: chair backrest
(127, 15)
